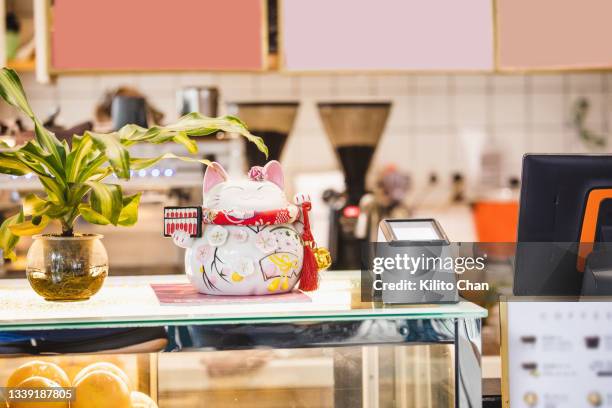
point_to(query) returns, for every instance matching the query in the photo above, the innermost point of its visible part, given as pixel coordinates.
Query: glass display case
(323, 349)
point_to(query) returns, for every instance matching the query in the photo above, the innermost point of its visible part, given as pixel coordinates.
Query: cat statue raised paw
(254, 241)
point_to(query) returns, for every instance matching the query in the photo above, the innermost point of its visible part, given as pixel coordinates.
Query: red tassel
(309, 279)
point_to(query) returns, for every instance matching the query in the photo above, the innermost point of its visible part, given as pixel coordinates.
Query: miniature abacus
(188, 219)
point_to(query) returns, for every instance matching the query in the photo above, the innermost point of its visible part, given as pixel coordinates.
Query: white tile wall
(520, 113)
(469, 109)
(548, 110)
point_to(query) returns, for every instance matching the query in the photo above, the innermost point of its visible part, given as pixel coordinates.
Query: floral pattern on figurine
(217, 236)
(239, 235)
(241, 268)
(266, 242)
(204, 253)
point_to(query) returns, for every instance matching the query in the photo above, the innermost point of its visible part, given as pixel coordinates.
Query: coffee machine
(203, 99)
(272, 121)
(126, 109)
(354, 130)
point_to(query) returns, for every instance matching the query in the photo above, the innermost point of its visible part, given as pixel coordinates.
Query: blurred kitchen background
(445, 122)
(418, 108)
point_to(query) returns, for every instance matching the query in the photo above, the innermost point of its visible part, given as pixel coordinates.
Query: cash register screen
(415, 231)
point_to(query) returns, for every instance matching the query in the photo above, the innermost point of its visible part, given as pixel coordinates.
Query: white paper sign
(559, 354)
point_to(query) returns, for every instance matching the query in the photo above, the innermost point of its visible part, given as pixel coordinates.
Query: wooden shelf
(22, 65)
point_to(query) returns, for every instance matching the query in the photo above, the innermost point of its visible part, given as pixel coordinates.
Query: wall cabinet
(118, 35)
(551, 34)
(417, 35)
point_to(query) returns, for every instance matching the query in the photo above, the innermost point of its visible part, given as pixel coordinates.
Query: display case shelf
(131, 302)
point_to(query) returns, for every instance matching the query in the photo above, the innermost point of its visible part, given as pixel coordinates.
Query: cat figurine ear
(273, 172)
(215, 174)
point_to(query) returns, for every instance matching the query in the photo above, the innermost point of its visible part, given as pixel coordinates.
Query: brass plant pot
(67, 268)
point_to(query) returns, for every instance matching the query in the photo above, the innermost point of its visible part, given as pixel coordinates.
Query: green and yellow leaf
(41, 162)
(92, 216)
(8, 240)
(190, 144)
(143, 163)
(55, 192)
(76, 160)
(34, 205)
(33, 226)
(117, 154)
(12, 92)
(10, 164)
(192, 124)
(106, 200)
(129, 212)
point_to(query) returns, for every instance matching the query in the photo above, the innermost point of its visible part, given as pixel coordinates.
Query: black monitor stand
(597, 279)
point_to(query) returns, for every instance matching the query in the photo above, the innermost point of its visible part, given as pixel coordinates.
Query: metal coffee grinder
(354, 130)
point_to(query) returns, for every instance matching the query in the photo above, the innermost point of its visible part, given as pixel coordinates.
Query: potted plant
(73, 176)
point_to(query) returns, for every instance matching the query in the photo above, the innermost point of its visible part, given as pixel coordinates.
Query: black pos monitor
(565, 221)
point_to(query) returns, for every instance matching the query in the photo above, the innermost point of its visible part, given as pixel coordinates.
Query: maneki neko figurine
(251, 240)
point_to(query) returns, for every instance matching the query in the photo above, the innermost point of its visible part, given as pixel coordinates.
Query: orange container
(496, 221)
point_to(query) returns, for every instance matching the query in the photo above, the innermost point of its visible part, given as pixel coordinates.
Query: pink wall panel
(157, 35)
(540, 34)
(387, 34)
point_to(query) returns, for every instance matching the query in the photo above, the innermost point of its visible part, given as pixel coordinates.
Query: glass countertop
(131, 302)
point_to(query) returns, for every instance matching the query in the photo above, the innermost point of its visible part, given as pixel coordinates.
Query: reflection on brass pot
(67, 268)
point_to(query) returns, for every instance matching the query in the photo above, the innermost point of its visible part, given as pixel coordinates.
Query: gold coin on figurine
(323, 258)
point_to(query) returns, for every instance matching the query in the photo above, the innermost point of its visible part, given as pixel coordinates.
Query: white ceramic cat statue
(251, 240)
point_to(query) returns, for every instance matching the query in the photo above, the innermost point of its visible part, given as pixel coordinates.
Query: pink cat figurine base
(251, 241)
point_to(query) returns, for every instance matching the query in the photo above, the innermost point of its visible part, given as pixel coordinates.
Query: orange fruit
(101, 389)
(103, 366)
(37, 368)
(73, 364)
(142, 400)
(38, 382)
